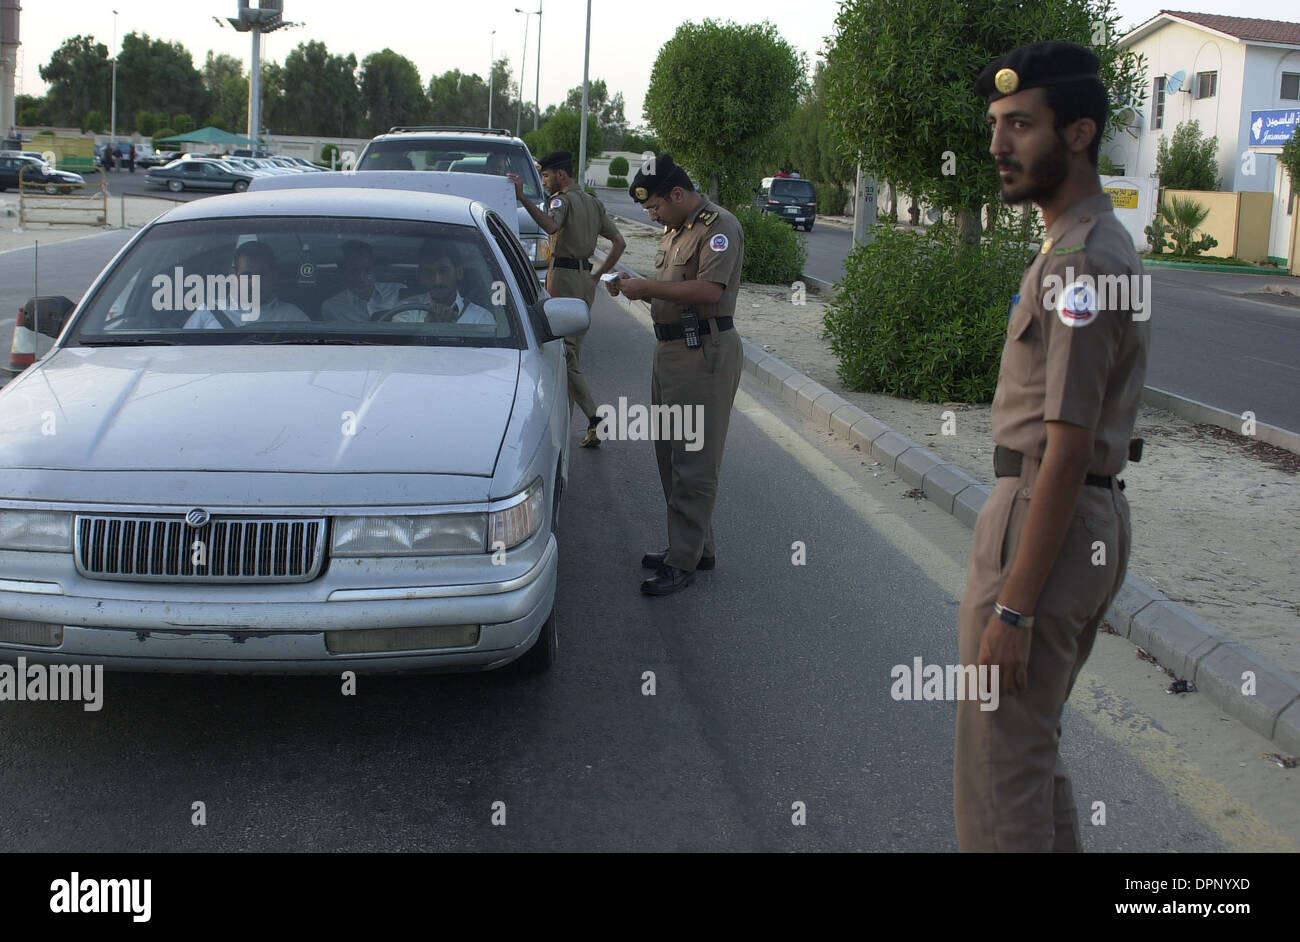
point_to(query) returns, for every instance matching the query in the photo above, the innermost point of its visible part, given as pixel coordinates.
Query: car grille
(238, 549)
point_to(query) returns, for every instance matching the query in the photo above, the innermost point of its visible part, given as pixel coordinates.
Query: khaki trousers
(706, 377)
(571, 283)
(1010, 788)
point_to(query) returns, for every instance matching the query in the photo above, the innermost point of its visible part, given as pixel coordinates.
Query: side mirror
(566, 316)
(47, 315)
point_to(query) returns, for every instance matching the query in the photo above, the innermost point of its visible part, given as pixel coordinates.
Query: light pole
(582, 135)
(537, 81)
(523, 62)
(112, 108)
(491, 69)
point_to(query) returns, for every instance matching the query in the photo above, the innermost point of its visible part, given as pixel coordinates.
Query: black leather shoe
(667, 581)
(656, 561)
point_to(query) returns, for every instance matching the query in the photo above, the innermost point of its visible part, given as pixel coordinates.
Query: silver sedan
(304, 430)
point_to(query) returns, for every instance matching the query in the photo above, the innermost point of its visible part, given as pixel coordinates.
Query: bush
(619, 182)
(161, 135)
(774, 254)
(917, 315)
(95, 122)
(1181, 218)
(329, 155)
(1188, 162)
(832, 199)
(618, 167)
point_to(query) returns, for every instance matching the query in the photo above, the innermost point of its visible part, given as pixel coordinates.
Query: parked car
(36, 172)
(281, 485)
(158, 158)
(199, 173)
(467, 150)
(794, 199)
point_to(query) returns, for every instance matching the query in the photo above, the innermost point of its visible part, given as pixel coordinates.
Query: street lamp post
(491, 69)
(112, 109)
(523, 62)
(537, 81)
(582, 135)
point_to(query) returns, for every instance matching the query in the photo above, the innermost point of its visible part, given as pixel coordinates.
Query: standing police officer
(1052, 542)
(573, 219)
(698, 360)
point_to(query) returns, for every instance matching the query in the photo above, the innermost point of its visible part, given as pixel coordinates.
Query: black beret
(559, 158)
(1037, 65)
(666, 175)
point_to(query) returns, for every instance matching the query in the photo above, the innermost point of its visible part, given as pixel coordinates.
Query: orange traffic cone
(22, 353)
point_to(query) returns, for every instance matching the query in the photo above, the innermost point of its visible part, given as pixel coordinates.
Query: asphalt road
(772, 687)
(125, 183)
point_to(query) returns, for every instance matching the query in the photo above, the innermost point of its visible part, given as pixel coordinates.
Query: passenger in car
(440, 272)
(361, 295)
(255, 269)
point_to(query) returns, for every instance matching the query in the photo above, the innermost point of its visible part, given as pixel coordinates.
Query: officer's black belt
(677, 332)
(1008, 463)
(578, 264)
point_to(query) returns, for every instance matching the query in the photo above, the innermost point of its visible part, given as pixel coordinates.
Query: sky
(458, 34)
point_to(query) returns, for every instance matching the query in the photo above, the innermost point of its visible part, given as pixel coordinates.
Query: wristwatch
(1013, 617)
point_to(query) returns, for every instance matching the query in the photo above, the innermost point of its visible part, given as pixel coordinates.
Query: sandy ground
(135, 212)
(1216, 517)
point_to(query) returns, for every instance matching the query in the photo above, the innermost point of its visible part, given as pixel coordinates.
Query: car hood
(348, 409)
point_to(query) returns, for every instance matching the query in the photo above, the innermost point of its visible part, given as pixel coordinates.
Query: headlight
(539, 250)
(512, 525)
(40, 530)
(431, 535)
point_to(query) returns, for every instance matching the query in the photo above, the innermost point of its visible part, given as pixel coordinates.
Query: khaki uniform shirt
(1077, 339)
(709, 246)
(581, 218)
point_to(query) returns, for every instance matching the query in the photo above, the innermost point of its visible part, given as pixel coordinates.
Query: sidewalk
(135, 211)
(1216, 517)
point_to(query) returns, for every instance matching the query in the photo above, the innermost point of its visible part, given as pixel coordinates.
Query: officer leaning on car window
(573, 218)
(1051, 544)
(698, 360)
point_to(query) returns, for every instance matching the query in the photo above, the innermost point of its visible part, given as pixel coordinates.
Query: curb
(1206, 414)
(1179, 639)
(1210, 266)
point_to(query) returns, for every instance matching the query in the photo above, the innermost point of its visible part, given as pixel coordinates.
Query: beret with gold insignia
(1035, 66)
(557, 160)
(658, 176)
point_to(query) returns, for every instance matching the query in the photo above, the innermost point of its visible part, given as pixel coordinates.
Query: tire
(539, 658)
(241, 186)
(51, 189)
(175, 185)
(808, 227)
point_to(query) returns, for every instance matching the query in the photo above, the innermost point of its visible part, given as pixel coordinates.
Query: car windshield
(303, 280)
(457, 156)
(793, 189)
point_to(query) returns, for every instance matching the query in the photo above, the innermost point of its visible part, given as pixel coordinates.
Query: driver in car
(254, 261)
(361, 295)
(440, 271)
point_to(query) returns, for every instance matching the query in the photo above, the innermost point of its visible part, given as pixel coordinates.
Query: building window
(1290, 86)
(1207, 84)
(1158, 104)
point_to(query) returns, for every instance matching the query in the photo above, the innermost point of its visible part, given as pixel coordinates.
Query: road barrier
(59, 203)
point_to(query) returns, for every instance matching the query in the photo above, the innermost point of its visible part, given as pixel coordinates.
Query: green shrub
(832, 199)
(920, 317)
(620, 182)
(161, 135)
(329, 154)
(1182, 217)
(618, 167)
(1188, 161)
(774, 254)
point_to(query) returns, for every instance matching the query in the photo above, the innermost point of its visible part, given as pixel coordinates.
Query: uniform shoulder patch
(1069, 249)
(710, 218)
(1077, 305)
(719, 243)
(557, 203)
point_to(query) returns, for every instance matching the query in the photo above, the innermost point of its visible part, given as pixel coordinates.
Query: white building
(1217, 70)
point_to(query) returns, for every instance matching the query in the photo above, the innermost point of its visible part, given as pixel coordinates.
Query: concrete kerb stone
(913, 465)
(889, 446)
(968, 503)
(791, 385)
(866, 430)
(843, 419)
(826, 406)
(1131, 599)
(772, 373)
(1219, 677)
(808, 396)
(943, 482)
(1286, 731)
(1175, 637)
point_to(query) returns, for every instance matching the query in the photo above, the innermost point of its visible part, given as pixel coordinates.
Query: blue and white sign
(1273, 128)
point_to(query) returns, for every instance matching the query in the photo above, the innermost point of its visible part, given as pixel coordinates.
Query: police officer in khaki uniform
(573, 218)
(698, 360)
(1052, 543)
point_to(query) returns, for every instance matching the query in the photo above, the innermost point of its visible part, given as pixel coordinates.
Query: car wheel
(52, 190)
(175, 185)
(808, 227)
(539, 658)
(241, 186)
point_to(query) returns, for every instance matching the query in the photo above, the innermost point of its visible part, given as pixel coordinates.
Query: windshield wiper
(129, 341)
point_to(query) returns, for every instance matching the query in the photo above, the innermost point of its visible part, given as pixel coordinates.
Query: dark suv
(794, 199)
(467, 150)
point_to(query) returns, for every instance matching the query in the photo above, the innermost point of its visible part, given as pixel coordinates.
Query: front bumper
(287, 637)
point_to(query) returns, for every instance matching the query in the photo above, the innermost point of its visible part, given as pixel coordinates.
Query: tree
(95, 122)
(458, 100)
(564, 132)
(160, 76)
(323, 89)
(183, 124)
(900, 86)
(31, 110)
(391, 93)
(146, 122)
(1290, 159)
(811, 145)
(277, 111)
(80, 76)
(608, 111)
(1188, 162)
(718, 96)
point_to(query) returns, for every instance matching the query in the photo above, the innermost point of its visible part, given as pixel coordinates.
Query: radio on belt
(691, 328)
